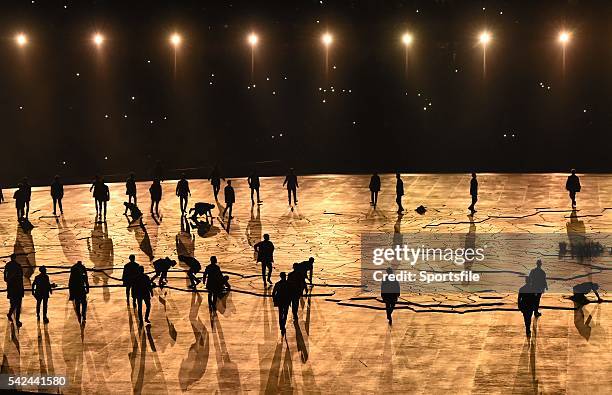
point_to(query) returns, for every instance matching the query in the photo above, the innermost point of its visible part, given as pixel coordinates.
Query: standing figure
(265, 255)
(230, 198)
(213, 278)
(215, 180)
(573, 185)
(374, 189)
(27, 196)
(254, 184)
(183, 192)
(291, 182)
(307, 267)
(13, 277)
(194, 268)
(19, 202)
(78, 288)
(473, 193)
(57, 194)
(101, 195)
(142, 292)
(399, 192)
(389, 292)
(161, 270)
(156, 195)
(281, 295)
(527, 304)
(130, 272)
(537, 277)
(41, 290)
(296, 282)
(130, 190)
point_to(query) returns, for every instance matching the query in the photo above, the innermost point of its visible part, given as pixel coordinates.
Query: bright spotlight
(98, 39)
(327, 39)
(21, 39)
(253, 39)
(484, 38)
(176, 39)
(407, 39)
(564, 37)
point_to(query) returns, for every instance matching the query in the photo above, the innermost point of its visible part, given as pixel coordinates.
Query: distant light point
(484, 38)
(176, 39)
(407, 39)
(327, 39)
(98, 39)
(21, 39)
(253, 39)
(564, 37)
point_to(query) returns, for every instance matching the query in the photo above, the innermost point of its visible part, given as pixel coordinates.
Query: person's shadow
(102, 254)
(142, 237)
(470, 243)
(25, 251)
(185, 241)
(253, 229)
(193, 366)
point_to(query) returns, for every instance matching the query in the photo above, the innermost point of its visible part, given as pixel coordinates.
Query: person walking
(42, 290)
(27, 196)
(13, 277)
(572, 185)
(78, 288)
(142, 291)
(57, 194)
(527, 304)
(213, 278)
(291, 182)
(156, 195)
(19, 202)
(389, 292)
(281, 296)
(254, 184)
(297, 284)
(130, 190)
(399, 192)
(130, 272)
(537, 277)
(265, 255)
(374, 189)
(183, 192)
(215, 180)
(473, 193)
(230, 198)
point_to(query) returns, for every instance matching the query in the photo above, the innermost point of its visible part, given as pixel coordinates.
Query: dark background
(381, 125)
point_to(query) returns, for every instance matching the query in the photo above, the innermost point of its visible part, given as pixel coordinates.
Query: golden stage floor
(342, 343)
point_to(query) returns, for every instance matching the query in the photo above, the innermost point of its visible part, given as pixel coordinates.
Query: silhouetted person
(57, 194)
(582, 289)
(130, 272)
(183, 192)
(296, 282)
(374, 189)
(41, 290)
(215, 180)
(142, 291)
(473, 193)
(130, 190)
(399, 192)
(19, 202)
(27, 196)
(281, 296)
(135, 212)
(573, 185)
(1, 196)
(527, 304)
(537, 278)
(101, 195)
(78, 287)
(230, 198)
(254, 184)
(389, 292)
(200, 209)
(213, 278)
(13, 277)
(161, 269)
(156, 195)
(291, 182)
(306, 268)
(265, 255)
(194, 268)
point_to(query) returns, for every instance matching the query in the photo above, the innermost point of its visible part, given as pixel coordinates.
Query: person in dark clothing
(573, 186)
(130, 272)
(200, 209)
(19, 202)
(27, 196)
(135, 212)
(215, 180)
(230, 198)
(374, 189)
(527, 304)
(57, 194)
(265, 255)
(473, 193)
(183, 192)
(161, 270)
(306, 268)
(130, 190)
(254, 184)
(1, 196)
(582, 289)
(281, 296)
(291, 182)
(142, 292)
(41, 290)
(156, 195)
(296, 283)
(537, 278)
(389, 292)
(13, 277)
(101, 195)
(194, 268)
(399, 192)
(78, 287)
(213, 278)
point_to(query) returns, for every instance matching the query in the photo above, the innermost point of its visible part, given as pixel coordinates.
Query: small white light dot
(254, 85)
(501, 13)
(274, 92)
(267, 78)
(165, 117)
(417, 11)
(124, 115)
(133, 98)
(78, 74)
(106, 158)
(504, 134)
(281, 135)
(212, 74)
(483, 8)
(323, 100)
(425, 108)
(105, 115)
(456, 70)
(64, 162)
(285, 77)
(584, 110)
(513, 135)
(210, 83)
(334, 67)
(354, 123)
(151, 122)
(317, 21)
(429, 104)
(148, 61)
(350, 91)
(21, 107)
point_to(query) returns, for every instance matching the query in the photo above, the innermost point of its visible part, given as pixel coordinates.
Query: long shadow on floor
(194, 364)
